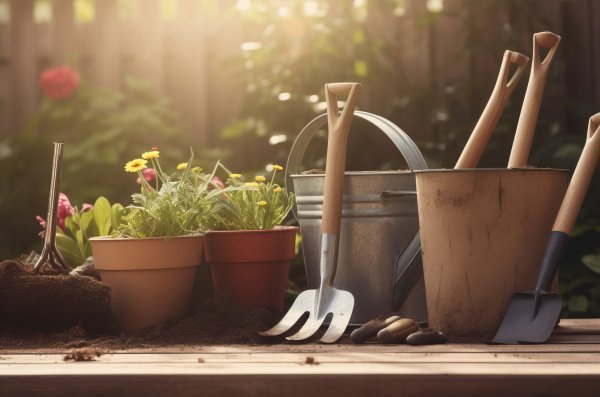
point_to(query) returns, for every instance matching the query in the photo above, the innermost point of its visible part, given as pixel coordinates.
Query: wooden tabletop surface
(569, 366)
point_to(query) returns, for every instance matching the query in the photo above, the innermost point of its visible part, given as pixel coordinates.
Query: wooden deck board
(565, 368)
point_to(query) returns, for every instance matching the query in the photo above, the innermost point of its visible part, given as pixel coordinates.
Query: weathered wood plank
(322, 358)
(22, 63)
(63, 32)
(97, 379)
(107, 60)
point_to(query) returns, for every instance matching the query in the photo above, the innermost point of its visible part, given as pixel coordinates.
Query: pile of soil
(53, 312)
(51, 301)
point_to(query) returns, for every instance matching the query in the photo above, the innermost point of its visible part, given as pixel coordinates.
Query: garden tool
(50, 253)
(409, 265)
(533, 98)
(493, 110)
(531, 317)
(327, 299)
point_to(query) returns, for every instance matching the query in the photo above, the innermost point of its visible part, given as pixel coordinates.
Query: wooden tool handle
(519, 154)
(491, 114)
(339, 125)
(571, 204)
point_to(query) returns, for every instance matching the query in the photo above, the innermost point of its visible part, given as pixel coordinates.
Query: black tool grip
(557, 244)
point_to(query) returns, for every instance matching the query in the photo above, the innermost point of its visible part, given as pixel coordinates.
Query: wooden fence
(183, 55)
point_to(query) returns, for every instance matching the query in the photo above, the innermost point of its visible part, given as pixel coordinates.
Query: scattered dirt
(311, 361)
(87, 354)
(218, 321)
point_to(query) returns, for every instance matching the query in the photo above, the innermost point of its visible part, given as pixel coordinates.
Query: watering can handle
(401, 140)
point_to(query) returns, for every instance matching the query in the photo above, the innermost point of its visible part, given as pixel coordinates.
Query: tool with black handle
(531, 317)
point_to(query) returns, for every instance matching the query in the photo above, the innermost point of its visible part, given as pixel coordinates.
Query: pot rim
(358, 173)
(276, 229)
(125, 239)
(514, 169)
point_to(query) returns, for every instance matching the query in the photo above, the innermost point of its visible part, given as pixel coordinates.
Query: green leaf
(102, 216)
(592, 262)
(69, 250)
(578, 304)
(116, 213)
(80, 242)
(71, 226)
(88, 225)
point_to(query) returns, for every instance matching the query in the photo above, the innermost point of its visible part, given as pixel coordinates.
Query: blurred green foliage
(101, 130)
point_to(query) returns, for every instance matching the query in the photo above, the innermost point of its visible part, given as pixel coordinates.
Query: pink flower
(41, 220)
(65, 210)
(86, 207)
(217, 181)
(149, 174)
(59, 83)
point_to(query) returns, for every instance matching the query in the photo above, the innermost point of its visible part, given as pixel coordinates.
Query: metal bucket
(379, 220)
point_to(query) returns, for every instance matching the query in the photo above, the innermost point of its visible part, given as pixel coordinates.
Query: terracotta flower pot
(252, 266)
(151, 278)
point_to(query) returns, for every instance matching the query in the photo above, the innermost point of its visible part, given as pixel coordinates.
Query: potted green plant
(150, 260)
(248, 251)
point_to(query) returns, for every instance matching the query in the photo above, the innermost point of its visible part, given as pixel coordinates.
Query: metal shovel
(531, 317)
(50, 253)
(326, 299)
(409, 265)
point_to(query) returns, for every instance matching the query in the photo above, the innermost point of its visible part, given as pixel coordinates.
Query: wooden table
(569, 366)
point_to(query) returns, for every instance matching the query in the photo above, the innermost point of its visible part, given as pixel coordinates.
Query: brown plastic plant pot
(252, 266)
(151, 278)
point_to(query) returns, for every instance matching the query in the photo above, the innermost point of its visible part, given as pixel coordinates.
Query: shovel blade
(522, 323)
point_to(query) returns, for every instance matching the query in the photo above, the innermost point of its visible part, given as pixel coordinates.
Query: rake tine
(292, 316)
(311, 326)
(336, 329)
(284, 325)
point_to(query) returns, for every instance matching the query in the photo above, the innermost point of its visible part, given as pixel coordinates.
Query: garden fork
(327, 299)
(50, 253)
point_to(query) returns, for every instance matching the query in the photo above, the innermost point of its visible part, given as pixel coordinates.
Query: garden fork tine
(327, 299)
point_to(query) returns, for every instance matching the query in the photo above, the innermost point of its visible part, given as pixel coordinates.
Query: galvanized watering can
(379, 223)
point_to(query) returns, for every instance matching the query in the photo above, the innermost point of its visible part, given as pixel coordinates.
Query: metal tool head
(529, 318)
(50, 254)
(339, 303)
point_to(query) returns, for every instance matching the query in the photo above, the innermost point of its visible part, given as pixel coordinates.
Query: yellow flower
(181, 166)
(235, 176)
(154, 154)
(261, 203)
(196, 169)
(277, 167)
(277, 189)
(135, 165)
(260, 178)
(251, 184)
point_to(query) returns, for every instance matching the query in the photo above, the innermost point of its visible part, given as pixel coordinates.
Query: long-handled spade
(531, 317)
(327, 299)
